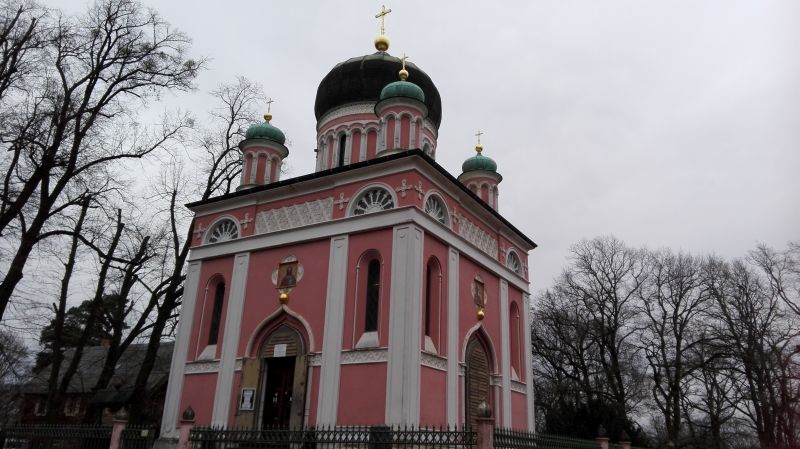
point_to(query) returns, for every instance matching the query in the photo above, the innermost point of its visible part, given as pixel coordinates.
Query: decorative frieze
(206, 366)
(364, 356)
(518, 386)
(434, 361)
(294, 216)
(475, 235)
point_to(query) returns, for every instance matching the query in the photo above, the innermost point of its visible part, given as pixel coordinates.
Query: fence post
(187, 422)
(485, 426)
(602, 437)
(119, 423)
(625, 440)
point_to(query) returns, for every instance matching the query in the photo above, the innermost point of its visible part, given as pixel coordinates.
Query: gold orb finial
(479, 147)
(481, 315)
(284, 298)
(403, 72)
(267, 116)
(381, 42)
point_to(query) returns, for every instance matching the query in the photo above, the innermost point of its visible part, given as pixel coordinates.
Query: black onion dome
(363, 78)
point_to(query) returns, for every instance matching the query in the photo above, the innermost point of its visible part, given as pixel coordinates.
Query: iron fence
(359, 437)
(40, 436)
(515, 439)
(138, 437)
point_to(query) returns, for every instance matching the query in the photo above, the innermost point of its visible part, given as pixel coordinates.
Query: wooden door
(477, 381)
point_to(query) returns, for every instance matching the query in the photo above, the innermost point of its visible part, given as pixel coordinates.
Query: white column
(362, 153)
(348, 148)
(328, 403)
(412, 137)
(253, 168)
(528, 368)
(397, 122)
(505, 353)
(382, 135)
(405, 316)
(267, 170)
(230, 340)
(172, 401)
(452, 338)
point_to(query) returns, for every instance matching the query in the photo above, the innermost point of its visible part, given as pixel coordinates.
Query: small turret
(401, 110)
(263, 151)
(479, 174)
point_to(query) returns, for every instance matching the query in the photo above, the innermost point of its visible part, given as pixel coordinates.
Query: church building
(379, 289)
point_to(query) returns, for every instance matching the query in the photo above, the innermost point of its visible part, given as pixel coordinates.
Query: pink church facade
(378, 290)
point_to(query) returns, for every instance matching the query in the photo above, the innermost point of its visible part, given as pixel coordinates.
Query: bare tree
(65, 130)
(673, 299)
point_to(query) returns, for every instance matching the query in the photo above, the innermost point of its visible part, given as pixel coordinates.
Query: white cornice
(350, 225)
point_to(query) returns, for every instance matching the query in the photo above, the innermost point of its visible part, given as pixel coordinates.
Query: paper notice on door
(279, 351)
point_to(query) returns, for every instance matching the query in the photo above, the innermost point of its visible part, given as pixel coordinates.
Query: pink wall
(519, 411)
(362, 394)
(405, 131)
(433, 397)
(307, 298)
(313, 398)
(199, 391)
(210, 270)
(380, 241)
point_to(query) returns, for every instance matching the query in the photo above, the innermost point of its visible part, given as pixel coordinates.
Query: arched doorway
(278, 373)
(477, 379)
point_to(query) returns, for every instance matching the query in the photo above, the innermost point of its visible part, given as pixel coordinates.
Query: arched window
(373, 200)
(342, 145)
(515, 329)
(216, 313)
(513, 263)
(222, 231)
(433, 304)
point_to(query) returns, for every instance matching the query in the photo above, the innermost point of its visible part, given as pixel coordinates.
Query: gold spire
(268, 115)
(381, 41)
(403, 71)
(479, 147)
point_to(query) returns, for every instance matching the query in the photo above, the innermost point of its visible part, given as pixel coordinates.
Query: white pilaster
(172, 401)
(526, 338)
(230, 340)
(254, 168)
(505, 353)
(452, 338)
(332, 338)
(405, 317)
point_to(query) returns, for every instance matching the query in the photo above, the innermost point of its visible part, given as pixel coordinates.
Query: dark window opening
(342, 143)
(216, 314)
(373, 296)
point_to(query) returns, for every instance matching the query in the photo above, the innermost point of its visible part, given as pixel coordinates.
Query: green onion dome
(266, 131)
(479, 162)
(403, 89)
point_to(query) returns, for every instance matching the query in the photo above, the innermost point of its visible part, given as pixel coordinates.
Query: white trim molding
(505, 354)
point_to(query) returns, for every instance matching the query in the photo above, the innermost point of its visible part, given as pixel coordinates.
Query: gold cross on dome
(403, 59)
(382, 15)
(478, 135)
(269, 105)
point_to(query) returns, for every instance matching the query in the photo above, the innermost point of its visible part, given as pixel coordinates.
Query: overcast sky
(666, 123)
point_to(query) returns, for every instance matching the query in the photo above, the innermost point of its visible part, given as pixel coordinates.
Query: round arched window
(513, 263)
(222, 231)
(373, 200)
(435, 207)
